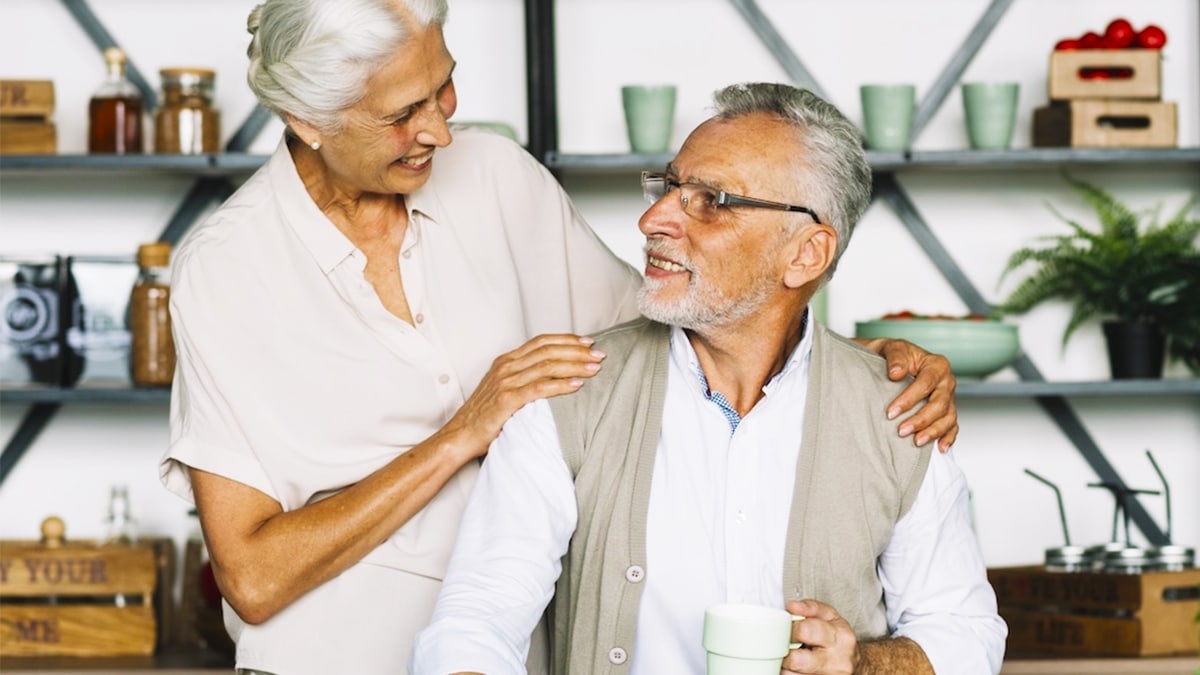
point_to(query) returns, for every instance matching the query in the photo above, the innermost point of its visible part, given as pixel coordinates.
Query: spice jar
(186, 121)
(152, 351)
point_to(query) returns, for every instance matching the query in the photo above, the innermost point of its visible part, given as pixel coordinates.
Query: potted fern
(1141, 278)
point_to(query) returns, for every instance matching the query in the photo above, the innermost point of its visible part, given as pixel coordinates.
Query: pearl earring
(315, 145)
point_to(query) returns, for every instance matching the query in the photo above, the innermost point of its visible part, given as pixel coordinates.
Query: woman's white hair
(312, 58)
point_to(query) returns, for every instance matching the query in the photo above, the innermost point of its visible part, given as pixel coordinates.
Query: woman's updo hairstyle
(312, 58)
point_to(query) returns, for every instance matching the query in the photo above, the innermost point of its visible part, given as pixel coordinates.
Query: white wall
(980, 215)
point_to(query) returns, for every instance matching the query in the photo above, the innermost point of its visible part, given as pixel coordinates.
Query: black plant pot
(1135, 349)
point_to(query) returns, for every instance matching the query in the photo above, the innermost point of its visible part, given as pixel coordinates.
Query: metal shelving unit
(1050, 396)
(215, 175)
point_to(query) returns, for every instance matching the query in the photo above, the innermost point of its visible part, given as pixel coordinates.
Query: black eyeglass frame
(723, 198)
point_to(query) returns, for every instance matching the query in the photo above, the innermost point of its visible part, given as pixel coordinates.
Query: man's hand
(831, 648)
(829, 644)
(932, 380)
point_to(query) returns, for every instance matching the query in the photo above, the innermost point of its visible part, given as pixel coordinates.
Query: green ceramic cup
(649, 116)
(746, 639)
(990, 109)
(888, 115)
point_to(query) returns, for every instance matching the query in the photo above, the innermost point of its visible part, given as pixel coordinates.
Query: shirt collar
(685, 355)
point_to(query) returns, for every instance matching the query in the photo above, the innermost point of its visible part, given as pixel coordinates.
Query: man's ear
(810, 253)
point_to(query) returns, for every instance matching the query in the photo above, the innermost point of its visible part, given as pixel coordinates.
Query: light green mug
(747, 639)
(888, 115)
(991, 112)
(649, 116)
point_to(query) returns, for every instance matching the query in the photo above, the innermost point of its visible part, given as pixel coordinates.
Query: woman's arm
(264, 558)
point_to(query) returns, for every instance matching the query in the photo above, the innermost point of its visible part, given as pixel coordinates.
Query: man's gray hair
(312, 58)
(837, 179)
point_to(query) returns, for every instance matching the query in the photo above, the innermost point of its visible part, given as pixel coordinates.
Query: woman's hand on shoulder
(546, 366)
(932, 382)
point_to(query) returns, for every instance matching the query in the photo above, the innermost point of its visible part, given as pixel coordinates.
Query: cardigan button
(635, 574)
(617, 656)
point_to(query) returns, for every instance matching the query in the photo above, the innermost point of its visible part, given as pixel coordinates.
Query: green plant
(1127, 270)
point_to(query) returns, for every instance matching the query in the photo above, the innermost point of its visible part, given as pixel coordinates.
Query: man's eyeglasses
(702, 202)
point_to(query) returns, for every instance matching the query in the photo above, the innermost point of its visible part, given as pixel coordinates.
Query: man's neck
(738, 361)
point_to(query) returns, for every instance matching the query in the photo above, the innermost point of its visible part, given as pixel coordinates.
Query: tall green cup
(649, 116)
(888, 115)
(990, 109)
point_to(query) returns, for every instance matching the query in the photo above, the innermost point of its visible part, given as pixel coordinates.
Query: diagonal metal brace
(1056, 407)
(958, 64)
(778, 47)
(100, 36)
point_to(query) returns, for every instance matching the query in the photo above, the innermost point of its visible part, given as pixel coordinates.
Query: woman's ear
(306, 132)
(810, 253)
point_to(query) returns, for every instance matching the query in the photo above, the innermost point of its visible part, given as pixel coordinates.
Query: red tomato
(1152, 37)
(1090, 40)
(905, 314)
(1119, 34)
(1066, 45)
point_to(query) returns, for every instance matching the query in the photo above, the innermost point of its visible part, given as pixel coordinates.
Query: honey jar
(186, 122)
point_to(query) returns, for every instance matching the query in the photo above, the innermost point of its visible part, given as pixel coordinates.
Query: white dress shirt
(717, 524)
(295, 380)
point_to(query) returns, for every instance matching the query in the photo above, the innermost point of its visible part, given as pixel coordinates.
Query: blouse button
(420, 318)
(406, 254)
(635, 574)
(617, 656)
(443, 379)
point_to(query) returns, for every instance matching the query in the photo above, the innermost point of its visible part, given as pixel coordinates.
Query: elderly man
(731, 450)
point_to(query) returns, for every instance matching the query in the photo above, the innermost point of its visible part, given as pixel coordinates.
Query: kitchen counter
(178, 665)
(1186, 665)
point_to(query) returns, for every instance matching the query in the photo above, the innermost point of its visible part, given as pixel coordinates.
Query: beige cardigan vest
(854, 479)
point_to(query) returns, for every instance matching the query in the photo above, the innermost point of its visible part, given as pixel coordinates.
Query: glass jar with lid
(186, 121)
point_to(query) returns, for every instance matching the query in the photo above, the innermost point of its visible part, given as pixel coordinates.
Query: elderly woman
(358, 321)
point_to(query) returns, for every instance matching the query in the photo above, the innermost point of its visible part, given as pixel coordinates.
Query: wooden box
(1106, 73)
(77, 598)
(27, 137)
(27, 98)
(1098, 613)
(1105, 124)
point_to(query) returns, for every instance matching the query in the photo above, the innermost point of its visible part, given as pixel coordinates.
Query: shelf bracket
(958, 64)
(774, 42)
(35, 419)
(83, 15)
(888, 189)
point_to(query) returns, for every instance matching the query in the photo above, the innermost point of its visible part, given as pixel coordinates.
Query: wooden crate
(27, 98)
(1098, 613)
(1106, 124)
(27, 137)
(77, 598)
(1106, 74)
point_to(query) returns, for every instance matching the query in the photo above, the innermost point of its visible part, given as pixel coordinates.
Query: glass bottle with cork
(152, 351)
(186, 122)
(115, 110)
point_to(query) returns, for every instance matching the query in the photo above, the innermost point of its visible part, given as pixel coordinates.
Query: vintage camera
(39, 301)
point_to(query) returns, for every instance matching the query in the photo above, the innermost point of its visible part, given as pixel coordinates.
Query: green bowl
(976, 348)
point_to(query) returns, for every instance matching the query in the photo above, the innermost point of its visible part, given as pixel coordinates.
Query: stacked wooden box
(26, 118)
(1098, 613)
(80, 598)
(1105, 98)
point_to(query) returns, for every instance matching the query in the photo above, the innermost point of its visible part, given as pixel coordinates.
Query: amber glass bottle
(152, 351)
(115, 112)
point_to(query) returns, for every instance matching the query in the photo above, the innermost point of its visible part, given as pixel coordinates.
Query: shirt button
(406, 254)
(635, 574)
(741, 516)
(617, 656)
(420, 318)
(443, 379)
